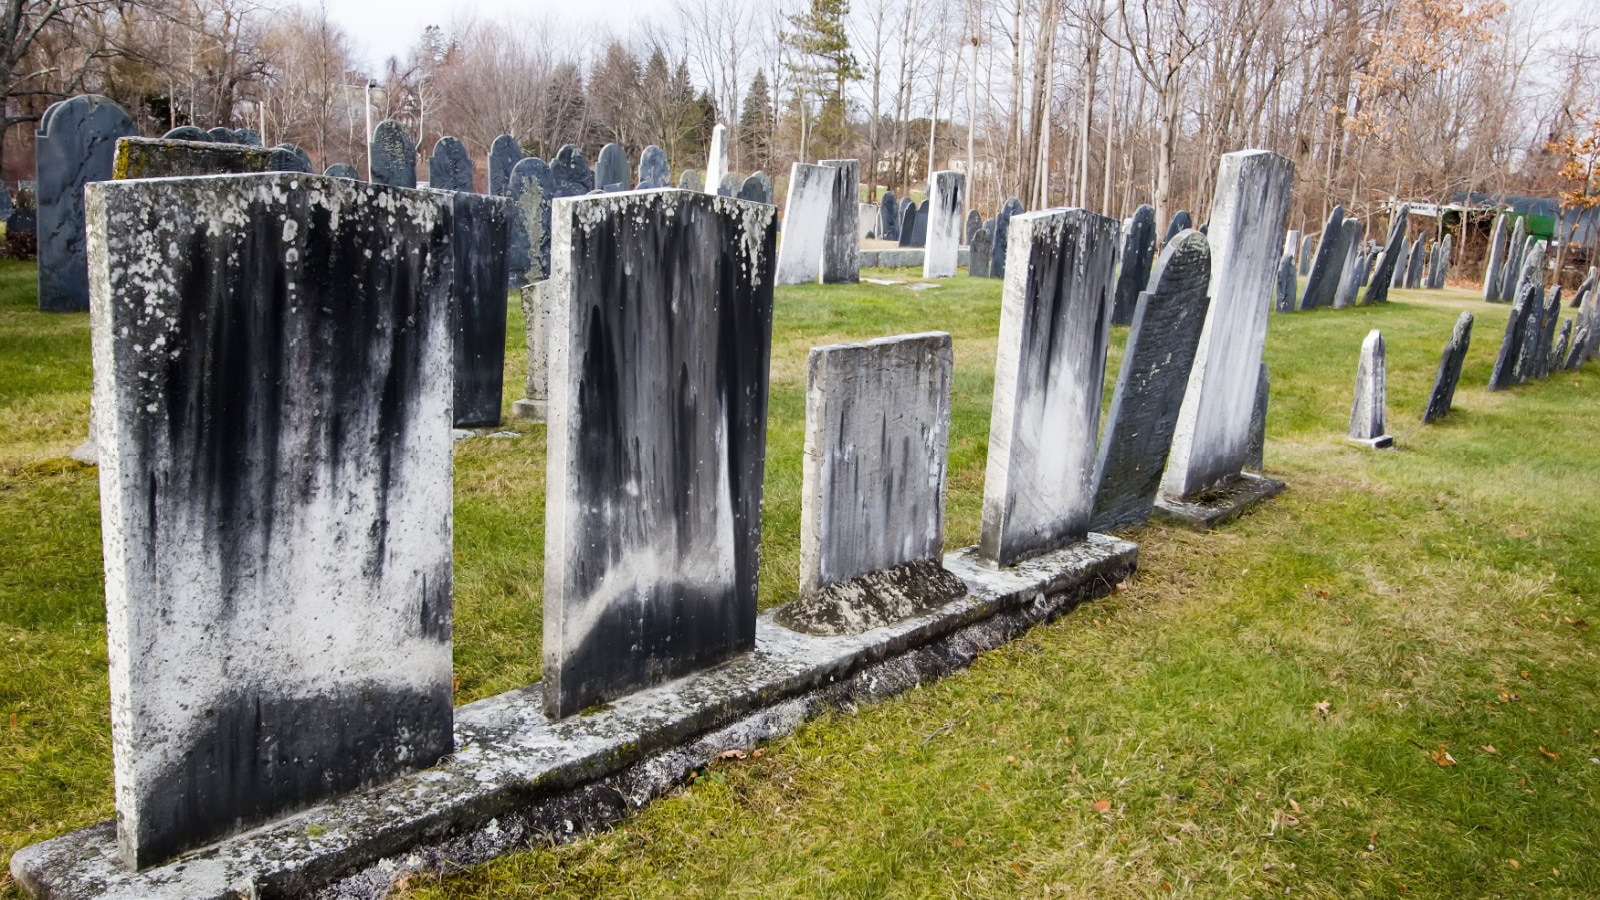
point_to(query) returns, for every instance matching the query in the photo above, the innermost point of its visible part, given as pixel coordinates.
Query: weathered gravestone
(654, 169)
(1000, 242)
(1496, 261)
(342, 170)
(1181, 221)
(757, 189)
(888, 217)
(1251, 205)
(290, 158)
(973, 223)
(247, 137)
(1511, 270)
(978, 255)
(731, 183)
(1504, 374)
(1563, 343)
(661, 325)
(1367, 412)
(394, 155)
(1138, 252)
(504, 154)
(1393, 250)
(866, 220)
(1291, 241)
(1536, 347)
(946, 199)
(692, 180)
(1255, 455)
(138, 157)
(1344, 295)
(220, 135)
(1307, 247)
(75, 145)
(1529, 347)
(1155, 372)
(805, 227)
(612, 171)
(1419, 259)
(872, 508)
(571, 172)
(275, 494)
(919, 234)
(450, 166)
(188, 133)
(908, 222)
(1055, 325)
(717, 158)
(529, 242)
(482, 229)
(1326, 267)
(1285, 299)
(1449, 374)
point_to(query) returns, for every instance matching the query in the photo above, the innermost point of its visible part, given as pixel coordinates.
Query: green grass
(1427, 596)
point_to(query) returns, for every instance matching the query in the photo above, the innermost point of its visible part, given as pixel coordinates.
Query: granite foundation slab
(518, 777)
(1218, 505)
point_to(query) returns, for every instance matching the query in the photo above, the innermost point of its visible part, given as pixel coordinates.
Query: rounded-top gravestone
(394, 155)
(730, 184)
(221, 135)
(187, 133)
(75, 145)
(1002, 230)
(1181, 220)
(611, 170)
(974, 222)
(571, 172)
(757, 188)
(290, 158)
(247, 137)
(342, 170)
(888, 217)
(692, 180)
(450, 166)
(504, 154)
(654, 170)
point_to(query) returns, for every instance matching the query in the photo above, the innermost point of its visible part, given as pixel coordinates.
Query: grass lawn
(1261, 710)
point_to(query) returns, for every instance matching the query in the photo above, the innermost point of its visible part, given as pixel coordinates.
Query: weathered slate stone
(1180, 222)
(1419, 259)
(947, 197)
(1286, 299)
(1249, 210)
(978, 259)
(973, 223)
(571, 172)
(76, 144)
(1344, 296)
(1055, 325)
(482, 231)
(805, 229)
(1511, 270)
(138, 157)
(504, 154)
(1167, 322)
(872, 507)
(908, 223)
(1367, 412)
(919, 234)
(1255, 456)
(1530, 348)
(731, 183)
(757, 189)
(342, 170)
(692, 180)
(450, 166)
(394, 155)
(1539, 357)
(1393, 250)
(661, 329)
(290, 158)
(1291, 242)
(1401, 265)
(276, 488)
(1326, 267)
(1441, 267)
(999, 244)
(654, 169)
(612, 168)
(1563, 344)
(888, 217)
(220, 135)
(1138, 252)
(529, 235)
(1449, 374)
(1496, 261)
(247, 137)
(188, 133)
(1505, 364)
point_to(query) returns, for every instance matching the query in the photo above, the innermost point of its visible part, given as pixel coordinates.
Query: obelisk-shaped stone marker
(504, 154)
(946, 200)
(841, 251)
(482, 227)
(1155, 372)
(1138, 251)
(1247, 222)
(75, 145)
(661, 335)
(1497, 259)
(716, 159)
(1367, 413)
(1055, 324)
(1327, 266)
(394, 155)
(1393, 249)
(1002, 228)
(450, 166)
(1286, 299)
(275, 494)
(805, 222)
(1449, 374)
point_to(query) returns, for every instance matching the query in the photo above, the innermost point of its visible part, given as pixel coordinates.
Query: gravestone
(1367, 412)
(1000, 241)
(504, 154)
(757, 189)
(220, 135)
(290, 158)
(1529, 349)
(919, 234)
(1286, 300)
(717, 158)
(1326, 267)
(1255, 455)
(908, 222)
(22, 221)
(394, 155)
(138, 157)
(1497, 258)
(342, 170)
(731, 183)
(450, 166)
(1449, 374)
(654, 169)
(946, 199)
(1291, 242)
(1250, 208)
(1505, 364)
(888, 217)
(1344, 295)
(76, 144)
(973, 223)
(866, 220)
(1419, 258)
(1511, 270)
(978, 254)
(1393, 250)
(1150, 383)
(1180, 222)
(692, 180)
(1586, 288)
(571, 172)
(247, 137)
(276, 483)
(805, 227)
(188, 133)
(1307, 247)
(612, 168)
(1055, 325)
(872, 507)
(1441, 266)
(528, 236)
(1563, 344)
(661, 325)
(1401, 264)
(482, 230)
(1538, 364)
(1138, 252)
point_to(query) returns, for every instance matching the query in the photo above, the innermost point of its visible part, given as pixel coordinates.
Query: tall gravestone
(1155, 372)
(1563, 345)
(1002, 229)
(661, 325)
(1516, 247)
(394, 155)
(1055, 325)
(1326, 266)
(612, 171)
(805, 226)
(654, 169)
(1419, 258)
(908, 223)
(528, 248)
(1504, 374)
(1449, 374)
(973, 223)
(1393, 249)
(450, 166)
(1138, 252)
(1538, 350)
(1248, 215)
(1307, 246)
(1350, 274)
(978, 256)
(717, 158)
(571, 172)
(946, 199)
(757, 189)
(275, 490)
(1286, 299)
(482, 229)
(504, 154)
(1497, 258)
(1181, 221)
(1367, 412)
(1443, 268)
(76, 144)
(1401, 265)
(888, 217)
(919, 234)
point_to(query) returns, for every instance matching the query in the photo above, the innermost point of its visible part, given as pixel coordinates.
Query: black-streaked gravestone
(872, 507)
(1138, 252)
(482, 230)
(1419, 259)
(654, 169)
(275, 486)
(757, 189)
(1449, 374)
(1529, 349)
(1285, 298)
(138, 157)
(22, 220)
(342, 170)
(76, 144)
(947, 196)
(973, 223)
(692, 180)
(978, 254)
(1505, 364)
(908, 222)
(841, 252)
(1511, 270)
(220, 135)
(612, 171)
(571, 171)
(919, 235)
(1181, 221)
(1055, 325)
(394, 155)
(1155, 372)
(1307, 247)
(888, 217)
(1367, 412)
(188, 133)
(504, 154)
(1251, 206)
(1538, 364)
(1496, 261)
(450, 166)
(1344, 295)
(530, 209)
(805, 227)
(1393, 249)
(661, 329)
(1001, 236)
(1255, 455)
(1326, 265)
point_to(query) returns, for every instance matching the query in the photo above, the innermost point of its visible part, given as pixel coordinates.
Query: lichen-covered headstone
(394, 155)
(946, 199)
(999, 244)
(805, 227)
(612, 171)
(888, 217)
(1138, 252)
(1393, 250)
(139, 157)
(1449, 374)
(275, 494)
(76, 144)
(1367, 412)
(571, 172)
(482, 229)
(528, 236)
(1326, 266)
(731, 183)
(450, 166)
(1563, 343)
(692, 180)
(1504, 374)
(504, 154)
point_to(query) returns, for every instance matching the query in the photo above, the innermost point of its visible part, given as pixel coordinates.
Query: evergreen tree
(825, 64)
(755, 123)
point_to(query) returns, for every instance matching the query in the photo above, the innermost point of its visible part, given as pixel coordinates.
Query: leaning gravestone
(1505, 364)
(1401, 266)
(504, 154)
(528, 235)
(1179, 223)
(1350, 273)
(1563, 344)
(978, 255)
(482, 229)
(394, 155)
(841, 252)
(450, 166)
(757, 189)
(1516, 247)
(1255, 456)
(1155, 372)
(342, 170)
(1539, 353)
(1393, 249)
(612, 169)
(654, 170)
(872, 507)
(888, 217)
(1285, 300)
(1055, 325)
(973, 223)
(278, 496)
(919, 235)
(1367, 412)
(138, 157)
(1002, 228)
(1138, 252)
(1449, 374)
(946, 198)
(908, 222)
(76, 144)
(1326, 267)
(805, 227)
(1251, 206)
(657, 439)
(1497, 258)
(571, 172)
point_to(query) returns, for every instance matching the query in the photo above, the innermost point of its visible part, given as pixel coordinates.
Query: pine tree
(755, 123)
(826, 65)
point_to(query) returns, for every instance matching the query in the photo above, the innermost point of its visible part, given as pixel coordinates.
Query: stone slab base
(1382, 442)
(1220, 504)
(530, 410)
(518, 778)
(908, 257)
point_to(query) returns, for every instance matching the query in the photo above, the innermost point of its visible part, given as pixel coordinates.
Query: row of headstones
(305, 330)
(1344, 263)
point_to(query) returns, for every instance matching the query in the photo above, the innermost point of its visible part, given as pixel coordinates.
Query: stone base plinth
(1219, 504)
(1381, 442)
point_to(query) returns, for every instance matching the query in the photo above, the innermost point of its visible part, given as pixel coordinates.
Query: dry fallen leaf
(957, 842)
(1443, 757)
(1514, 864)
(1101, 806)
(758, 753)
(1548, 753)
(1293, 805)
(731, 754)
(1579, 624)
(1524, 674)
(1489, 748)
(1323, 708)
